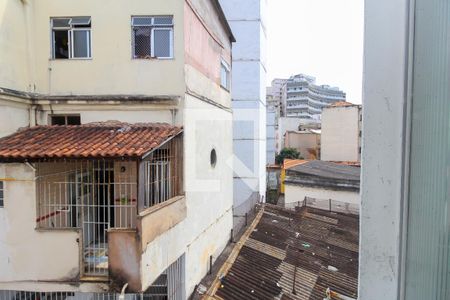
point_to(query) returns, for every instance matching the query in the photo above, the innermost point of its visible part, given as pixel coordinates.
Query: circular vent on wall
(213, 158)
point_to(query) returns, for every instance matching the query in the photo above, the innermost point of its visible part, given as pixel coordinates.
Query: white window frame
(88, 43)
(153, 27)
(226, 66)
(152, 38)
(70, 30)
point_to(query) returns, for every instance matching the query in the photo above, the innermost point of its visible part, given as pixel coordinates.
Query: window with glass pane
(65, 120)
(71, 37)
(152, 37)
(428, 235)
(141, 42)
(81, 41)
(162, 43)
(60, 44)
(225, 75)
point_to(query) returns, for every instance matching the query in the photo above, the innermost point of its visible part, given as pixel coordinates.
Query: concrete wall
(248, 22)
(340, 133)
(307, 143)
(286, 124)
(205, 52)
(295, 193)
(206, 229)
(207, 224)
(111, 42)
(27, 254)
(384, 99)
(104, 112)
(204, 109)
(271, 128)
(124, 258)
(14, 42)
(13, 115)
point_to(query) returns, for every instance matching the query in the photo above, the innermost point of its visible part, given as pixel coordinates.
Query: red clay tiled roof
(93, 140)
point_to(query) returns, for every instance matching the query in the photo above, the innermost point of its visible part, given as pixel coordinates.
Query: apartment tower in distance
(305, 99)
(247, 19)
(115, 147)
(275, 99)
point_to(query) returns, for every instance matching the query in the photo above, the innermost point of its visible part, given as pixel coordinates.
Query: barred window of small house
(152, 37)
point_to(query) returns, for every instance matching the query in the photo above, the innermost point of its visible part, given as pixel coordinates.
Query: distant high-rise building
(305, 99)
(275, 97)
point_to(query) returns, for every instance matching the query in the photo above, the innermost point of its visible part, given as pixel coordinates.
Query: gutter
(346, 185)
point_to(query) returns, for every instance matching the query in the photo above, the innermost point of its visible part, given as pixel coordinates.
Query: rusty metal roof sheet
(296, 255)
(93, 140)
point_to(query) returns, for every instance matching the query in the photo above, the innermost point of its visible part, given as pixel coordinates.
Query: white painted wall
(209, 191)
(88, 114)
(13, 116)
(271, 135)
(384, 98)
(125, 75)
(206, 229)
(340, 139)
(25, 253)
(307, 143)
(14, 40)
(294, 193)
(248, 20)
(289, 124)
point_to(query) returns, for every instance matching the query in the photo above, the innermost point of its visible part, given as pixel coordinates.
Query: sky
(321, 38)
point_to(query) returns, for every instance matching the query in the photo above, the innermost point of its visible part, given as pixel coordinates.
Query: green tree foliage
(290, 153)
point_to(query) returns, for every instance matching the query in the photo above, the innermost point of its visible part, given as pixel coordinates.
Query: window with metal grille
(71, 38)
(224, 75)
(1, 194)
(162, 172)
(152, 37)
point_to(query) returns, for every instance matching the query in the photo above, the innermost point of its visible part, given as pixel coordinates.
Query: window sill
(153, 59)
(94, 278)
(70, 59)
(225, 89)
(56, 229)
(152, 209)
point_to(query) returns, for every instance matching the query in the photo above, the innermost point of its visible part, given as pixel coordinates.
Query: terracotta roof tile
(93, 140)
(289, 163)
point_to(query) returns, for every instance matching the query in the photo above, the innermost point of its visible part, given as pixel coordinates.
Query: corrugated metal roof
(296, 255)
(325, 169)
(93, 140)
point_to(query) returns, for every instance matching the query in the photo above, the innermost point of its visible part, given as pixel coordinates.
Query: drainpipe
(334, 295)
(32, 116)
(122, 293)
(30, 166)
